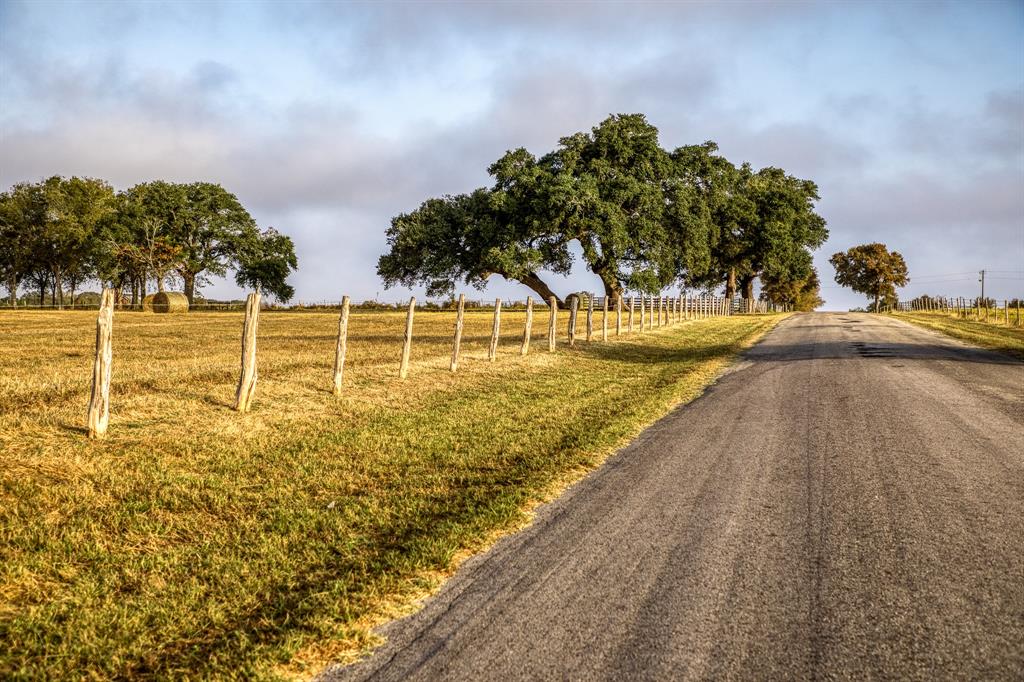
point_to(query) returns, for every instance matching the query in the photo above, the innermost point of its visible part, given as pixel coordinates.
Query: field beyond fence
(198, 541)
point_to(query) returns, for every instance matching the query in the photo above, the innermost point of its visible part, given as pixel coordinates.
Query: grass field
(997, 336)
(198, 542)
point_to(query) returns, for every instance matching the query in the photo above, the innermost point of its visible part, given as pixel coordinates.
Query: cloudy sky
(326, 119)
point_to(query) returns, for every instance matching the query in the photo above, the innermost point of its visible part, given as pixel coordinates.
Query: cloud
(327, 120)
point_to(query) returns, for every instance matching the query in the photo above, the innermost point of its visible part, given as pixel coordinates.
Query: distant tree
(871, 269)
(210, 227)
(801, 294)
(264, 262)
(22, 216)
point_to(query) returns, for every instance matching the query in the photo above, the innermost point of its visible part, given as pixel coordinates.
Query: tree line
(60, 233)
(645, 218)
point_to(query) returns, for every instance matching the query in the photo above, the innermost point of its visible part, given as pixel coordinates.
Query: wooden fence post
(247, 380)
(632, 307)
(618, 314)
(661, 310)
(492, 351)
(524, 348)
(99, 401)
(604, 319)
(1018, 312)
(1006, 311)
(341, 346)
(460, 311)
(590, 317)
(552, 321)
(643, 311)
(403, 369)
(574, 307)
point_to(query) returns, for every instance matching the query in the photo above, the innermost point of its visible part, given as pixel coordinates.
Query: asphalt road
(847, 502)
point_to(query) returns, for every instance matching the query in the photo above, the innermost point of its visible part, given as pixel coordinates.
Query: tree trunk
(12, 285)
(612, 287)
(189, 278)
(530, 279)
(730, 284)
(876, 300)
(748, 287)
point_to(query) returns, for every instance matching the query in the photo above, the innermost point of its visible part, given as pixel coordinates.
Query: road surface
(847, 502)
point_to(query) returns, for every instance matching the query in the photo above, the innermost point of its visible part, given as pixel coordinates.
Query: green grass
(197, 542)
(996, 336)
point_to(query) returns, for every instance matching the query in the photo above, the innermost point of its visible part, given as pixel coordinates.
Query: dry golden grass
(993, 333)
(196, 541)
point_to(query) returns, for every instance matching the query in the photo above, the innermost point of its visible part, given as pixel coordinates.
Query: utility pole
(982, 280)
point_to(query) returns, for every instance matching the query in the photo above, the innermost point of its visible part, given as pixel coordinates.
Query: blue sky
(328, 119)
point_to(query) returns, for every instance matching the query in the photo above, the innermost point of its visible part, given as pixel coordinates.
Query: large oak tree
(871, 269)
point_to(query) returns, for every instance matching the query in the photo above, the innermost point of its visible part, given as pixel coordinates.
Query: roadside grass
(996, 336)
(197, 542)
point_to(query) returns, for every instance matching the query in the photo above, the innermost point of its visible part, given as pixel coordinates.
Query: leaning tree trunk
(531, 280)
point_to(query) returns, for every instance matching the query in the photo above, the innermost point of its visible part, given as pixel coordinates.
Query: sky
(328, 119)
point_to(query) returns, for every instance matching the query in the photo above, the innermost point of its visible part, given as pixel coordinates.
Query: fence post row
(492, 351)
(341, 345)
(552, 321)
(403, 369)
(99, 401)
(527, 327)
(247, 380)
(574, 307)
(457, 344)
(590, 317)
(604, 319)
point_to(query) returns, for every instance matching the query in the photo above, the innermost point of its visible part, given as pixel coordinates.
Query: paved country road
(847, 502)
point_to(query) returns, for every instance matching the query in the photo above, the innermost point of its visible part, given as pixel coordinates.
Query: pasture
(195, 541)
(996, 333)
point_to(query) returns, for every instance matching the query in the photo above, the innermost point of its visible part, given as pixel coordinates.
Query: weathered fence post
(492, 350)
(403, 369)
(618, 314)
(247, 381)
(604, 319)
(341, 346)
(632, 307)
(590, 317)
(527, 327)
(661, 310)
(643, 311)
(552, 321)
(574, 307)
(99, 401)
(460, 311)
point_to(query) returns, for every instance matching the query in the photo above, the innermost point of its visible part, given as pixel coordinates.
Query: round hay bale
(147, 303)
(169, 302)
